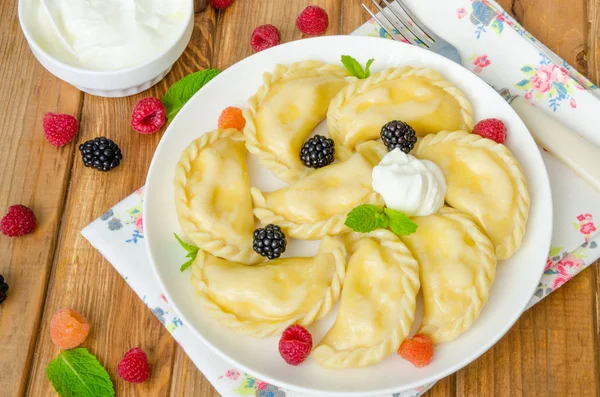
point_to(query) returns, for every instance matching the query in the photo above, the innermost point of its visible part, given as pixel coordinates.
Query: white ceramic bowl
(113, 83)
(516, 278)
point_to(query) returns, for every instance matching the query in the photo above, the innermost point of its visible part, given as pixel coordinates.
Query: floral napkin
(501, 52)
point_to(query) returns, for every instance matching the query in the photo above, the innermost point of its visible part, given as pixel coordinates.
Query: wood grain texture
(81, 278)
(34, 174)
(553, 350)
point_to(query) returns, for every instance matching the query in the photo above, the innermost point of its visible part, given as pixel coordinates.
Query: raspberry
(221, 4)
(265, 36)
(295, 344)
(313, 20)
(148, 115)
(19, 221)
(60, 129)
(232, 118)
(493, 129)
(418, 350)
(134, 366)
(68, 329)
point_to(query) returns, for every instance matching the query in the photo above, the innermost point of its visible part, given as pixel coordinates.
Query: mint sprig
(367, 217)
(183, 90)
(400, 223)
(192, 251)
(355, 69)
(77, 373)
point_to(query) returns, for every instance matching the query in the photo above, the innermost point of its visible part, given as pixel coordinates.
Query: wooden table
(553, 350)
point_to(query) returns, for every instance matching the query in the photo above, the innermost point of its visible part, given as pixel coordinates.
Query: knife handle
(570, 148)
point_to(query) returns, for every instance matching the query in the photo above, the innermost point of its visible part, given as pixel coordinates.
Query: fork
(570, 148)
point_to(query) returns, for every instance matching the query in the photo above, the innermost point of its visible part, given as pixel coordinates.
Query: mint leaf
(188, 247)
(183, 90)
(354, 68)
(400, 223)
(192, 252)
(77, 373)
(186, 265)
(368, 67)
(366, 218)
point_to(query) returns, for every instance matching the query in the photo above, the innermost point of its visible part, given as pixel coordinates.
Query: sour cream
(415, 187)
(107, 34)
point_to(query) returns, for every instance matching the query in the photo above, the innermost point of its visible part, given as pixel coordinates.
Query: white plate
(516, 279)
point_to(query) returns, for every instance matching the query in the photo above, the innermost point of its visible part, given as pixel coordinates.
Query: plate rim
(542, 178)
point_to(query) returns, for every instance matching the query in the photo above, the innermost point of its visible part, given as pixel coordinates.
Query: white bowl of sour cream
(117, 47)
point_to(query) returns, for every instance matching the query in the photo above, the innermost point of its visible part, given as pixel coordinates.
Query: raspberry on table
(317, 152)
(19, 221)
(68, 328)
(3, 289)
(221, 4)
(269, 241)
(398, 134)
(232, 117)
(101, 153)
(59, 129)
(148, 116)
(265, 36)
(295, 344)
(418, 350)
(493, 129)
(134, 367)
(313, 20)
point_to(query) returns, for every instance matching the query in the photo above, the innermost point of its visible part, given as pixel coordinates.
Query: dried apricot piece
(68, 328)
(232, 118)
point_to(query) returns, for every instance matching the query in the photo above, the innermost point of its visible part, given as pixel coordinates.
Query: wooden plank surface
(552, 350)
(34, 174)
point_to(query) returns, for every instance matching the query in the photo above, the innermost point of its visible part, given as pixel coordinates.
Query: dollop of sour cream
(415, 187)
(107, 34)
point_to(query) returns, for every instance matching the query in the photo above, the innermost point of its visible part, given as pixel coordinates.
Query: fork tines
(401, 22)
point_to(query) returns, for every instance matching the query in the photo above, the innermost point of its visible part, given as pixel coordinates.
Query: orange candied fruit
(68, 329)
(232, 118)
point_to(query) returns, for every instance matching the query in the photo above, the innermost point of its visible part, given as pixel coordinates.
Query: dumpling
(292, 101)
(264, 299)
(212, 196)
(377, 306)
(457, 268)
(317, 205)
(485, 181)
(420, 97)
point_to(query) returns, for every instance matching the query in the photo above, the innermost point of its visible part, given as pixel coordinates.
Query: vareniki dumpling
(317, 205)
(377, 306)
(457, 268)
(420, 97)
(485, 181)
(216, 215)
(264, 299)
(292, 101)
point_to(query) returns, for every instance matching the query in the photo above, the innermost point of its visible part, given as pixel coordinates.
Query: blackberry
(398, 134)
(3, 289)
(269, 242)
(317, 152)
(101, 153)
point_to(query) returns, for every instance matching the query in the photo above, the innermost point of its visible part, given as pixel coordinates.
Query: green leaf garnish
(192, 251)
(186, 265)
(354, 68)
(77, 373)
(183, 90)
(400, 223)
(366, 218)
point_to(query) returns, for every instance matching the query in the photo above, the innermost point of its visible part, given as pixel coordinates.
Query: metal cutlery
(580, 155)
